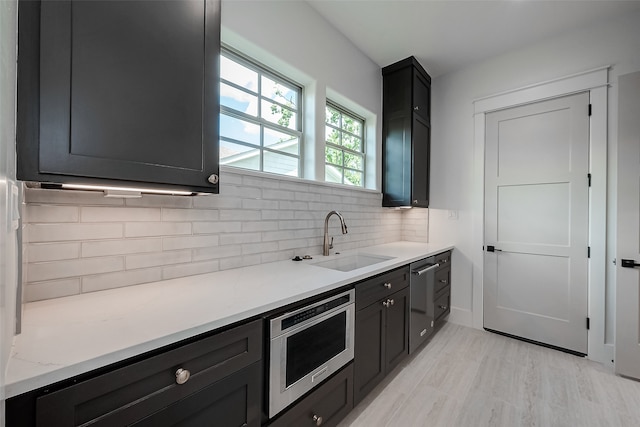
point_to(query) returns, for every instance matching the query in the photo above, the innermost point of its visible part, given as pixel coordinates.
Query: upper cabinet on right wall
(406, 134)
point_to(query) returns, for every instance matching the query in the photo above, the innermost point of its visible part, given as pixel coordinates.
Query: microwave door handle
(424, 270)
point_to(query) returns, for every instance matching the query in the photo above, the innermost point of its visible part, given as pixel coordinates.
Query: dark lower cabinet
(326, 405)
(122, 91)
(233, 402)
(381, 340)
(216, 380)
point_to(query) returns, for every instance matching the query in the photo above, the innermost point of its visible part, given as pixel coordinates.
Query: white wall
(615, 42)
(8, 245)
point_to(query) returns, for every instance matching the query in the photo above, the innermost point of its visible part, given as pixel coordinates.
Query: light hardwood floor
(466, 377)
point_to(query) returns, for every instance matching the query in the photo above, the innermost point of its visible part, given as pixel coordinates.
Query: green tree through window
(344, 146)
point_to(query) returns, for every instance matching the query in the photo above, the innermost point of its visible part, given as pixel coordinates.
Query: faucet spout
(326, 245)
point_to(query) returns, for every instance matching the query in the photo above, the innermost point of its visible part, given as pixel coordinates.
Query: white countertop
(65, 337)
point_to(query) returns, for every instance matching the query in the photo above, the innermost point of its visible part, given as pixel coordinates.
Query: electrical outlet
(453, 215)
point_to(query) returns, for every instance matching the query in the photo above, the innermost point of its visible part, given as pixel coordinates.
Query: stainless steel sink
(351, 262)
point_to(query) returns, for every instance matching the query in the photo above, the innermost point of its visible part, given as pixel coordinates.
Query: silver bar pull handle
(424, 270)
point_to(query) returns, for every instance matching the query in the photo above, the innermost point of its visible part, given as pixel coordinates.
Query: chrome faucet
(326, 245)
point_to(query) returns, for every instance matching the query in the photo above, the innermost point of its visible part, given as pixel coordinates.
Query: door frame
(596, 82)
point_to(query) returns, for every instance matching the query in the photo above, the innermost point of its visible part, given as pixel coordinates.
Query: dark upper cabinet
(119, 90)
(406, 130)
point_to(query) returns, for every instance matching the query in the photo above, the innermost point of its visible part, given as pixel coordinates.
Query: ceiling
(446, 35)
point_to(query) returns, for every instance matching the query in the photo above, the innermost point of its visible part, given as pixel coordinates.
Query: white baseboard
(609, 351)
(461, 317)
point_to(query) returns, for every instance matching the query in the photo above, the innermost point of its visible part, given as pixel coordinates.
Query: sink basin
(351, 262)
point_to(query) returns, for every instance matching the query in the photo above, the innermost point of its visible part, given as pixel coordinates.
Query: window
(260, 117)
(344, 149)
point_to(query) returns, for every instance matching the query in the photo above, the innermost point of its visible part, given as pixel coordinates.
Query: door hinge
(588, 251)
(589, 179)
(588, 323)
(589, 109)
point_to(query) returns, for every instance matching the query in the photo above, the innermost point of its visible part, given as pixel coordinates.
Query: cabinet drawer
(232, 401)
(128, 394)
(380, 287)
(442, 279)
(444, 259)
(331, 401)
(442, 305)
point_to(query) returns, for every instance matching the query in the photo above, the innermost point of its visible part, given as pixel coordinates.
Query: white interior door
(627, 358)
(536, 218)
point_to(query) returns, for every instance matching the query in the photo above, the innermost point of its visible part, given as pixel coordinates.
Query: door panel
(536, 201)
(627, 360)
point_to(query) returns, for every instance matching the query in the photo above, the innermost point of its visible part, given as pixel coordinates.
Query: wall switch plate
(453, 215)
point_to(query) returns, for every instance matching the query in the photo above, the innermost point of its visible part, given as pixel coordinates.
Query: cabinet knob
(391, 302)
(387, 285)
(385, 303)
(416, 108)
(443, 281)
(182, 376)
(415, 202)
(318, 420)
(442, 307)
(213, 178)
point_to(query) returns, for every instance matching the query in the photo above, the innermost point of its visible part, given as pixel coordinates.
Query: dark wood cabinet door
(421, 153)
(329, 403)
(396, 161)
(232, 402)
(421, 96)
(397, 329)
(369, 365)
(130, 393)
(127, 90)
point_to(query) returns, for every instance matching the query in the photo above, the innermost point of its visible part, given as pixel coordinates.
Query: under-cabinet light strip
(140, 190)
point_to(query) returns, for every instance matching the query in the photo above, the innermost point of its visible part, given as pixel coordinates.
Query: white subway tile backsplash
(101, 214)
(148, 229)
(240, 261)
(216, 252)
(41, 232)
(120, 247)
(39, 271)
(238, 238)
(259, 204)
(38, 291)
(276, 214)
(217, 202)
(239, 215)
(81, 242)
(187, 242)
(157, 259)
(38, 252)
(175, 215)
(217, 227)
(182, 270)
(51, 213)
(251, 226)
(274, 194)
(257, 248)
(99, 282)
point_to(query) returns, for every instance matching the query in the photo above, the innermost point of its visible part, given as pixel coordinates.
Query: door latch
(493, 249)
(629, 263)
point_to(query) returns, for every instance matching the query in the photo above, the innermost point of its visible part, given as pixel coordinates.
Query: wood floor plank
(465, 377)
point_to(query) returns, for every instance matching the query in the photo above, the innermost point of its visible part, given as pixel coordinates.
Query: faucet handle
(331, 244)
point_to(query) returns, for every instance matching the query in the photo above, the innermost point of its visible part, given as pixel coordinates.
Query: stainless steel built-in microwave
(307, 346)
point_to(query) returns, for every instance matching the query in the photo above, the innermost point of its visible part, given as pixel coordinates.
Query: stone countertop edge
(69, 336)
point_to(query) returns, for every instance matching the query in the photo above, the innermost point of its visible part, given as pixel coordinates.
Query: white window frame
(362, 153)
(262, 70)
